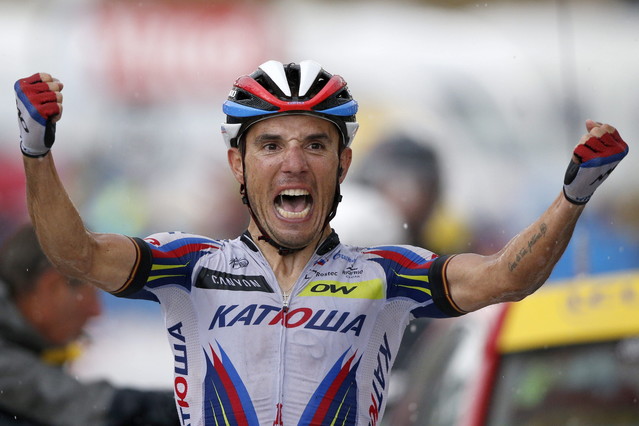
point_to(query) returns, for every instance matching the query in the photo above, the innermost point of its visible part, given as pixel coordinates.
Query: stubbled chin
(296, 239)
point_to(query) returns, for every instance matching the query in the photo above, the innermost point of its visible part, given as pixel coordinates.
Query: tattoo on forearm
(525, 251)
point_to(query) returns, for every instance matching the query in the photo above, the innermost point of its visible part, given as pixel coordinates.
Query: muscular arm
(106, 260)
(525, 263)
(518, 269)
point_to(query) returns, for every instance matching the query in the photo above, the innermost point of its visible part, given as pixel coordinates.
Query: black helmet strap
(283, 250)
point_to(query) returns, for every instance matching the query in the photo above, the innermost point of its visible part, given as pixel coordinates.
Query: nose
(294, 159)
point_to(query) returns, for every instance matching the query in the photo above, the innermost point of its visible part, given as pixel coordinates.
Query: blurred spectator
(366, 218)
(406, 172)
(42, 314)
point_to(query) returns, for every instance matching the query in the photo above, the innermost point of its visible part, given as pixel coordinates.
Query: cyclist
(284, 324)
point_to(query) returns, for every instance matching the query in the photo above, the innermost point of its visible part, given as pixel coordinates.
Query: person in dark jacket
(42, 316)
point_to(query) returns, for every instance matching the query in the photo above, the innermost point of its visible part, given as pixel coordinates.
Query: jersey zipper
(285, 304)
(286, 301)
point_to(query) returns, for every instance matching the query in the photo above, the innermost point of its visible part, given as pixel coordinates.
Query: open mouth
(293, 203)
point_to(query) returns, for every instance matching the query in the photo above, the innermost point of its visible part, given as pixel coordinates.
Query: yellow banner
(598, 308)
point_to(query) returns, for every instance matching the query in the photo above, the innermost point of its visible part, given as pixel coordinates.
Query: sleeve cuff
(140, 271)
(439, 287)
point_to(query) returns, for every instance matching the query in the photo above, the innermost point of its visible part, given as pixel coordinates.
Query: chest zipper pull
(284, 309)
(285, 304)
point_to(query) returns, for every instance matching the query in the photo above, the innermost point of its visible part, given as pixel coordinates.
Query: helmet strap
(283, 250)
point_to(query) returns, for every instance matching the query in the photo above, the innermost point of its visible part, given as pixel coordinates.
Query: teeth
(294, 192)
(293, 215)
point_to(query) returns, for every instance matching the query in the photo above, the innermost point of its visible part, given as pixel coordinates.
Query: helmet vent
(268, 84)
(241, 95)
(320, 81)
(276, 88)
(344, 95)
(293, 78)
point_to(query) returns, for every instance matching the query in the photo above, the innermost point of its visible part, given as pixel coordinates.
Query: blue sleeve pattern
(170, 263)
(408, 275)
(173, 262)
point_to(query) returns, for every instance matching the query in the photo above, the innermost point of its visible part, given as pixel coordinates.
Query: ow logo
(332, 288)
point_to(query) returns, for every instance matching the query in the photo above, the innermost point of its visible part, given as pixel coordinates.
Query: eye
(316, 146)
(270, 146)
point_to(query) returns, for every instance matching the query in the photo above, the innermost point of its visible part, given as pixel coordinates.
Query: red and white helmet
(278, 89)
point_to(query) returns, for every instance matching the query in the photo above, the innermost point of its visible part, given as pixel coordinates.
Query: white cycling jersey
(246, 354)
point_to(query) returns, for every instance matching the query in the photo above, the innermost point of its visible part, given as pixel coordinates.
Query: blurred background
(492, 95)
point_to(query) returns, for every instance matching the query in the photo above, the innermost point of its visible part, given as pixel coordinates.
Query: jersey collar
(327, 245)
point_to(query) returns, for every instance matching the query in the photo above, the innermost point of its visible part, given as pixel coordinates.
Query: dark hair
(22, 261)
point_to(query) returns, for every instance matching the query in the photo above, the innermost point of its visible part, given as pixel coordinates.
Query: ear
(345, 162)
(235, 161)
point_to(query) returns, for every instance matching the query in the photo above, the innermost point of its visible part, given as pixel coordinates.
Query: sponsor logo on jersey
(181, 370)
(320, 319)
(315, 273)
(339, 255)
(237, 263)
(371, 289)
(153, 241)
(380, 381)
(217, 280)
(352, 272)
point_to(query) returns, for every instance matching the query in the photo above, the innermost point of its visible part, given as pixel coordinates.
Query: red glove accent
(40, 96)
(598, 157)
(37, 106)
(606, 146)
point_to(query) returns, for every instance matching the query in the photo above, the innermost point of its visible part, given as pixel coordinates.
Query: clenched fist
(39, 103)
(594, 158)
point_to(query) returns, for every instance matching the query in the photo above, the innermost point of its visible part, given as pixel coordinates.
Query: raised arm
(106, 260)
(525, 263)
